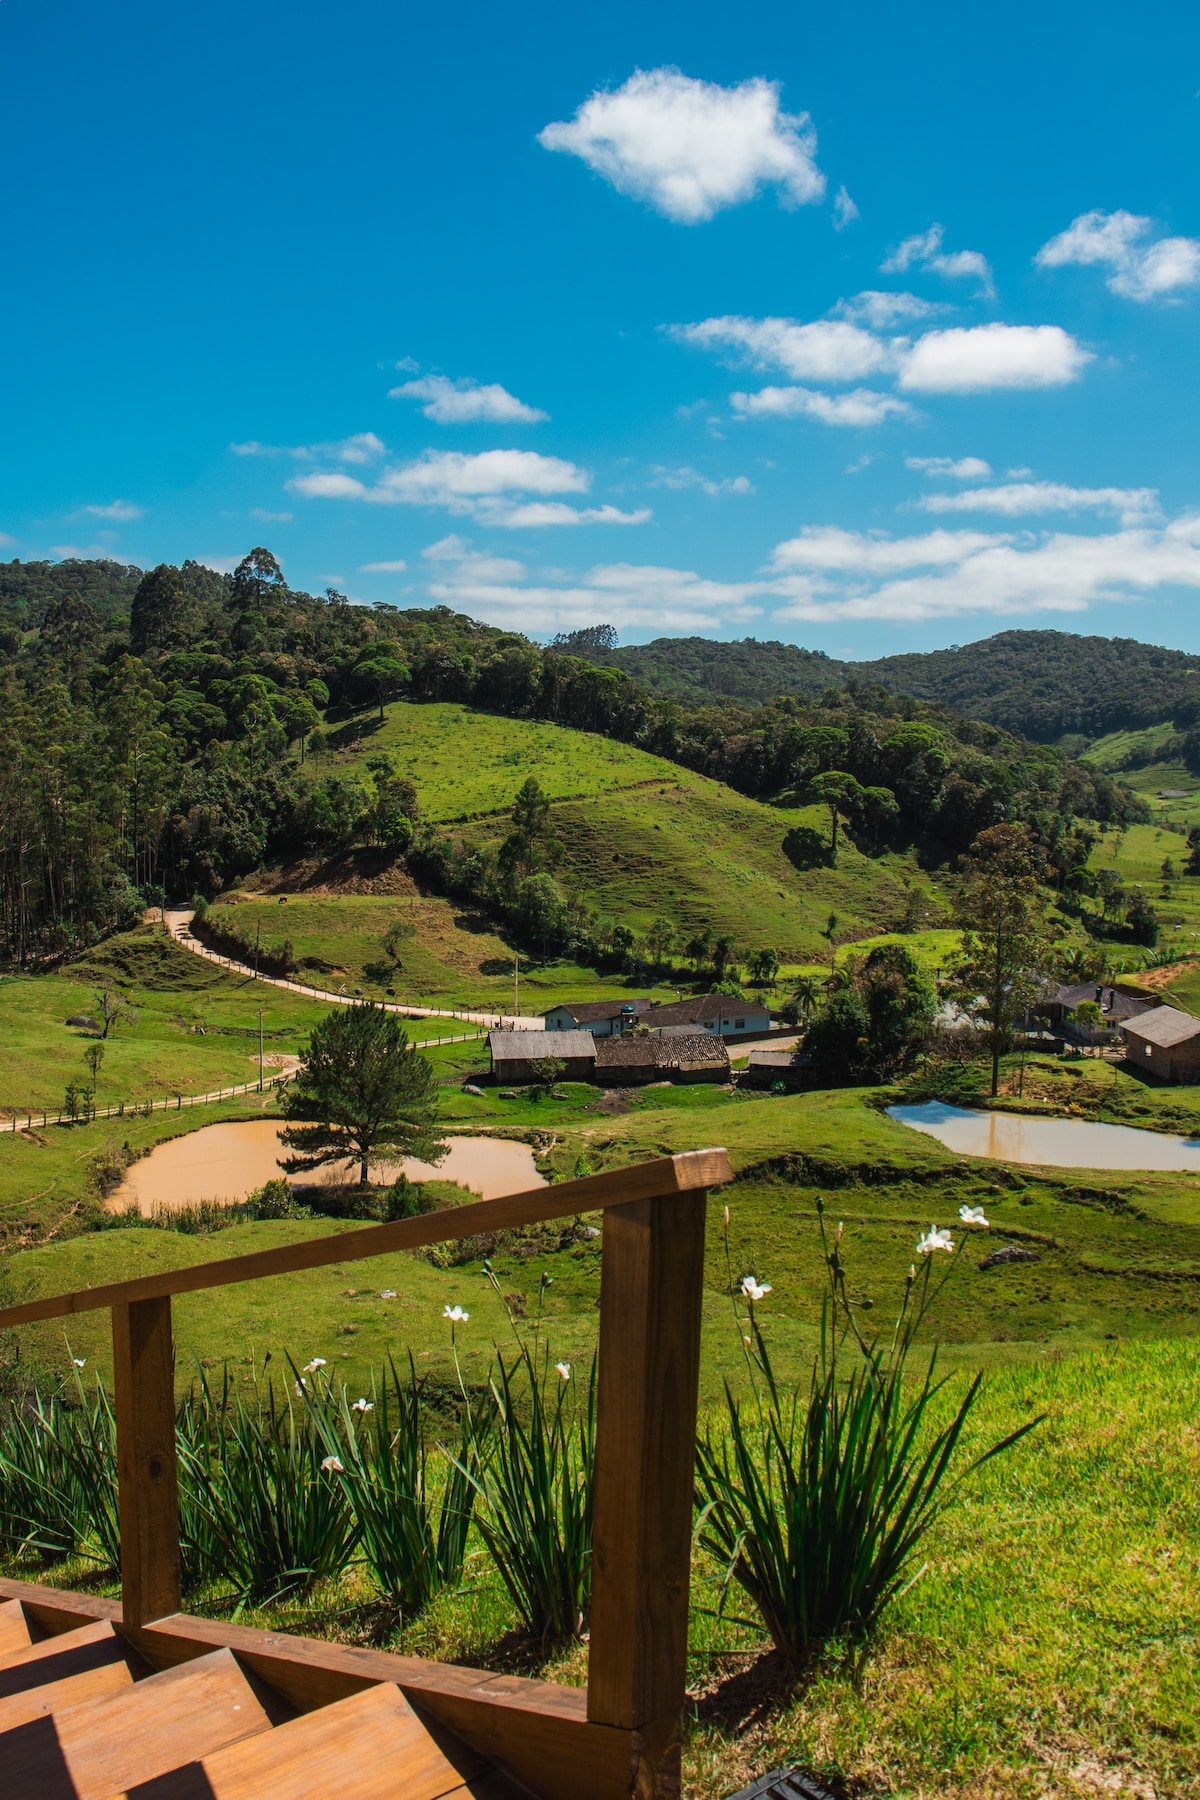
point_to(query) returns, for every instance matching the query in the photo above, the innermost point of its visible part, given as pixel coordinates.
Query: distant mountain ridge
(1043, 684)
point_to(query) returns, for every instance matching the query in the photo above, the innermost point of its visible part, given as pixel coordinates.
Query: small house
(1117, 1006)
(1164, 1042)
(603, 1018)
(718, 1013)
(634, 1061)
(767, 1067)
(514, 1053)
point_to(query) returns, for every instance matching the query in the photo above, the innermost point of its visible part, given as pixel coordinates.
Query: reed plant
(413, 1530)
(815, 1499)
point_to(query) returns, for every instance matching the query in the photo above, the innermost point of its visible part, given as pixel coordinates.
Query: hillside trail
(179, 924)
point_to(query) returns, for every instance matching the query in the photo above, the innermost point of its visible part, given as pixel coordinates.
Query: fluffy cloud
(383, 568)
(1138, 270)
(844, 210)
(879, 309)
(689, 148)
(844, 575)
(925, 252)
(971, 360)
(492, 486)
(964, 468)
(363, 447)
(120, 510)
(1016, 498)
(466, 401)
(861, 407)
(825, 350)
(689, 478)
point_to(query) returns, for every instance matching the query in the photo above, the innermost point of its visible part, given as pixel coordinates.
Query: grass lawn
(195, 1026)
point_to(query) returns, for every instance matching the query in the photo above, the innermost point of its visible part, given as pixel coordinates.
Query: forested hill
(1043, 684)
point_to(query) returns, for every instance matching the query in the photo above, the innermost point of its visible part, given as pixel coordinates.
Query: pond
(1058, 1143)
(227, 1162)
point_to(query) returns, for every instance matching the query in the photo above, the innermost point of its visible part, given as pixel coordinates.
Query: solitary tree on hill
(362, 1094)
(1000, 911)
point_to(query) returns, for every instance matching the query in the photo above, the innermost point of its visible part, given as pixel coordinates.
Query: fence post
(148, 1492)
(650, 1307)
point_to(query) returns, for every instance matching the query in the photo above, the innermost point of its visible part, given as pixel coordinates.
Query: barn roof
(527, 1046)
(1164, 1026)
(699, 1050)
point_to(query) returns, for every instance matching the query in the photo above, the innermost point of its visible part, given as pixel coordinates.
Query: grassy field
(194, 1026)
(465, 762)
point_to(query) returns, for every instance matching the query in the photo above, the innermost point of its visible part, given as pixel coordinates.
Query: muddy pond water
(227, 1162)
(1057, 1143)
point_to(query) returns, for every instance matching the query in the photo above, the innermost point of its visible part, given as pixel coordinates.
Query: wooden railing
(649, 1352)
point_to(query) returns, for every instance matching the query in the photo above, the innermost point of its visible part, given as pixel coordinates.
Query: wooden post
(144, 1380)
(650, 1306)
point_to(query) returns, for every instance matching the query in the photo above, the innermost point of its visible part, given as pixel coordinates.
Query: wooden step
(69, 1690)
(54, 1658)
(118, 1743)
(14, 1630)
(369, 1747)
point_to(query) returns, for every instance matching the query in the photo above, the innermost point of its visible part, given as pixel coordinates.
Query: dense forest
(161, 742)
(1044, 684)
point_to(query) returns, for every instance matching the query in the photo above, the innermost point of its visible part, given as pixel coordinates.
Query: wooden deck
(103, 1698)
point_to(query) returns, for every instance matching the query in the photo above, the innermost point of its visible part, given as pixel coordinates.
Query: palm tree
(805, 995)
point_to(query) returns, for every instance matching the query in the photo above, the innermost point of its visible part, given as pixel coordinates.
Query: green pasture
(466, 762)
(194, 1026)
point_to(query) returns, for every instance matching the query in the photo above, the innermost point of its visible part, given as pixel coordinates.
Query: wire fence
(142, 1109)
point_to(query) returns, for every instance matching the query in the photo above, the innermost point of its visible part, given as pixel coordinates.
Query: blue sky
(871, 329)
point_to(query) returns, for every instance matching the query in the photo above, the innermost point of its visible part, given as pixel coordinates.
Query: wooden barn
(514, 1053)
(634, 1061)
(1164, 1042)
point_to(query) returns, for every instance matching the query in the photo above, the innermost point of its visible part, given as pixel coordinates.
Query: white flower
(80, 1362)
(726, 1215)
(455, 1314)
(753, 1290)
(332, 1466)
(363, 1406)
(972, 1215)
(564, 1369)
(387, 1293)
(935, 1239)
(318, 1362)
(300, 1387)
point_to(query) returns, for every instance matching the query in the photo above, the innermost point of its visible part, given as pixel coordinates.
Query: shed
(766, 1067)
(1164, 1042)
(514, 1053)
(633, 1061)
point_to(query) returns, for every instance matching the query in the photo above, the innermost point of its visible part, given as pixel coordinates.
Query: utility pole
(260, 1050)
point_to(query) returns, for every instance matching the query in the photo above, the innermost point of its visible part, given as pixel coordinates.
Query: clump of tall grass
(815, 1499)
(58, 1477)
(413, 1538)
(534, 1480)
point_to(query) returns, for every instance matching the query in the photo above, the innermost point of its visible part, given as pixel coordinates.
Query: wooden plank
(369, 1747)
(650, 1306)
(68, 1690)
(58, 1609)
(70, 1653)
(694, 1169)
(147, 1479)
(14, 1628)
(108, 1746)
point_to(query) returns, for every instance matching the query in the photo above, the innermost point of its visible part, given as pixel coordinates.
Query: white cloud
(861, 407)
(271, 518)
(6, 542)
(689, 148)
(964, 468)
(1016, 498)
(363, 447)
(493, 486)
(970, 360)
(824, 350)
(120, 510)
(878, 309)
(844, 210)
(466, 401)
(689, 478)
(1139, 270)
(946, 574)
(383, 568)
(222, 565)
(925, 252)
(629, 596)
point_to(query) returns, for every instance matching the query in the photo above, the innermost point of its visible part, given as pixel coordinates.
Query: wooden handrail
(651, 1289)
(668, 1175)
